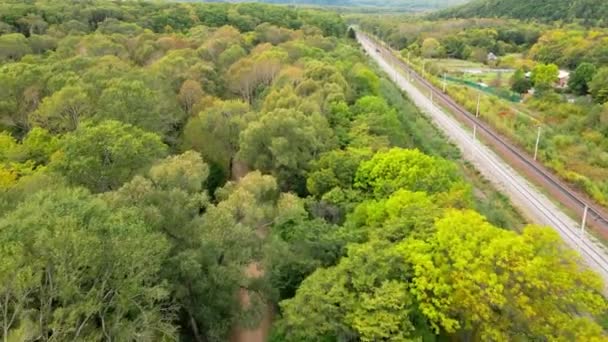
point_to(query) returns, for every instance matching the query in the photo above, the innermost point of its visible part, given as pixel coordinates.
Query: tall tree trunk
(197, 335)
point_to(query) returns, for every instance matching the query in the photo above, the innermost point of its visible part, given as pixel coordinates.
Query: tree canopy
(180, 170)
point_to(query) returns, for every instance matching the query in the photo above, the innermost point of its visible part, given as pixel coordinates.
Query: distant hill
(594, 12)
(401, 5)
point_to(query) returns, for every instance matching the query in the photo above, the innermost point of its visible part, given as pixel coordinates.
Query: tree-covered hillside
(399, 5)
(593, 12)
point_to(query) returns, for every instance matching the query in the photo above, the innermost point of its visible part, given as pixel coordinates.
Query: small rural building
(563, 78)
(491, 57)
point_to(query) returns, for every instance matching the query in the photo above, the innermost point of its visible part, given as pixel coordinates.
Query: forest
(407, 6)
(588, 12)
(183, 171)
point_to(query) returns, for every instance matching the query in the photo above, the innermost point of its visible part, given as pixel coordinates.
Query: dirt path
(253, 270)
(260, 333)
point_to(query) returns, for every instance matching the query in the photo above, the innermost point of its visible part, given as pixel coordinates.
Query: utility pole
(584, 221)
(396, 73)
(395, 69)
(444, 82)
(475, 132)
(537, 142)
(478, 104)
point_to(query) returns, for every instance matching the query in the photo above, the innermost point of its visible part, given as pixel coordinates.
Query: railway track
(545, 212)
(592, 212)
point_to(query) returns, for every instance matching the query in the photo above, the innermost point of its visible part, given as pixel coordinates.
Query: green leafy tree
(520, 83)
(32, 24)
(8, 146)
(544, 76)
(464, 278)
(599, 86)
(134, 103)
(38, 146)
(299, 247)
(64, 110)
(284, 142)
(431, 48)
(231, 55)
(364, 81)
(115, 26)
(74, 269)
(215, 133)
(13, 46)
(403, 214)
(333, 169)
(473, 279)
(580, 78)
(412, 170)
(22, 93)
(170, 195)
(375, 117)
(189, 95)
(364, 297)
(42, 43)
(102, 157)
(456, 47)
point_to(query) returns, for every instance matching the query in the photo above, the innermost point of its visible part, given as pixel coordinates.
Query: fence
(503, 94)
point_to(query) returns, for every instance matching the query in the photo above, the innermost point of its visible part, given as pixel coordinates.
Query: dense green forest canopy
(458, 37)
(170, 170)
(588, 12)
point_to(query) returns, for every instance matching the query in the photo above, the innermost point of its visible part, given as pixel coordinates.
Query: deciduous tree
(64, 110)
(102, 157)
(189, 94)
(431, 48)
(477, 280)
(284, 142)
(580, 78)
(412, 170)
(215, 133)
(520, 83)
(132, 102)
(13, 46)
(599, 86)
(74, 269)
(544, 76)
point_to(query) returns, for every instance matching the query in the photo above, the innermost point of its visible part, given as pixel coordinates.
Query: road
(530, 201)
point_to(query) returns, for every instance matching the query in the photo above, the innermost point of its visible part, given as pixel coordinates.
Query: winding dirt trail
(253, 270)
(260, 333)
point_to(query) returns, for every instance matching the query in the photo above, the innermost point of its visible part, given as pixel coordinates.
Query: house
(491, 57)
(563, 78)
